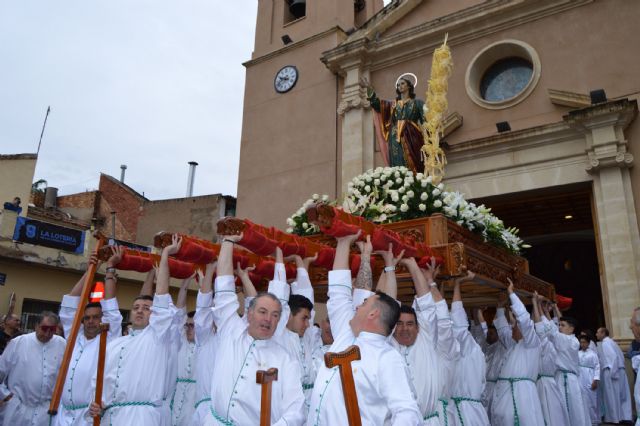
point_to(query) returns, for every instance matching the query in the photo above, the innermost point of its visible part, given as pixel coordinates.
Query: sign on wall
(3, 278)
(48, 235)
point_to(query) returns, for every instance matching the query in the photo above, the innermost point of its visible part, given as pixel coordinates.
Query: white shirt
(30, 368)
(425, 359)
(184, 395)
(235, 395)
(382, 386)
(136, 369)
(206, 343)
(589, 367)
(78, 393)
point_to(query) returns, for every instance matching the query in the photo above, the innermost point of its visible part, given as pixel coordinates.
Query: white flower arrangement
(392, 194)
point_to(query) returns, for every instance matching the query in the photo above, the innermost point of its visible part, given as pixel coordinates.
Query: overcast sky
(151, 84)
(148, 83)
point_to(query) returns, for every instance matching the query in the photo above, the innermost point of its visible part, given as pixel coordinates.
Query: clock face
(285, 79)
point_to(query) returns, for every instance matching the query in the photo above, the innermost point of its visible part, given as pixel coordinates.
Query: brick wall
(118, 197)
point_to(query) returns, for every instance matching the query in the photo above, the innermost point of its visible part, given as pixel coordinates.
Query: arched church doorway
(558, 223)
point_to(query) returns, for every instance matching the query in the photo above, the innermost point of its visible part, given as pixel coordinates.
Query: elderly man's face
(46, 329)
(263, 318)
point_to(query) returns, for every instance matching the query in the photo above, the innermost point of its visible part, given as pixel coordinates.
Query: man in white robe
(614, 389)
(29, 368)
(515, 397)
(296, 335)
(78, 393)
(244, 347)
(469, 369)
(381, 383)
(184, 394)
(137, 365)
(554, 409)
(428, 344)
(567, 362)
(494, 352)
(589, 377)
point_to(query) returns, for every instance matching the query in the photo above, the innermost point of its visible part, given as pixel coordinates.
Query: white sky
(148, 83)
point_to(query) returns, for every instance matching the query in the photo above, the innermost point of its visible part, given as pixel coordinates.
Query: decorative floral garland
(392, 194)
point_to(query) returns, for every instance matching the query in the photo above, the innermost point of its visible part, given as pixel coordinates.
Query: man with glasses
(28, 369)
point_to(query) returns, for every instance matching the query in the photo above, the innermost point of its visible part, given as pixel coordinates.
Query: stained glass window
(505, 79)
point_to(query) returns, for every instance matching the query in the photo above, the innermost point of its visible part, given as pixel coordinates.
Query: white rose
(405, 198)
(315, 196)
(325, 198)
(404, 208)
(291, 222)
(437, 203)
(424, 196)
(396, 174)
(429, 179)
(399, 181)
(382, 217)
(420, 176)
(392, 208)
(305, 225)
(423, 184)
(300, 211)
(376, 182)
(289, 230)
(422, 207)
(394, 197)
(383, 178)
(367, 179)
(441, 186)
(367, 188)
(411, 194)
(436, 192)
(401, 190)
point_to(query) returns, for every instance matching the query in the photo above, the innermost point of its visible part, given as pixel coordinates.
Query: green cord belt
(200, 402)
(565, 374)
(444, 410)
(307, 386)
(75, 407)
(512, 380)
(457, 400)
(540, 376)
(130, 404)
(183, 380)
(432, 415)
(219, 418)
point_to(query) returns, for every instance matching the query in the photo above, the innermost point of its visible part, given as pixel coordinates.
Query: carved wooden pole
(264, 378)
(73, 334)
(343, 361)
(104, 331)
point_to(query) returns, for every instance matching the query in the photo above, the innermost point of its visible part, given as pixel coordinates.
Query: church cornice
(462, 26)
(293, 46)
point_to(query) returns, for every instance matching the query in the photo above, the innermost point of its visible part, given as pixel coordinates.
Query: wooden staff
(264, 378)
(104, 331)
(343, 361)
(71, 339)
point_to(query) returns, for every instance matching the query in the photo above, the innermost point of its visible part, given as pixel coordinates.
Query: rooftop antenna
(43, 126)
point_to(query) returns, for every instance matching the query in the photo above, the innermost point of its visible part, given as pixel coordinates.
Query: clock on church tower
(289, 130)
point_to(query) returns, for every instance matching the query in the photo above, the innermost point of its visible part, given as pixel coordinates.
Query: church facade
(542, 120)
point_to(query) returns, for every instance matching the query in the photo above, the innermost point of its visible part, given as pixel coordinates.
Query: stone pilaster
(357, 153)
(615, 219)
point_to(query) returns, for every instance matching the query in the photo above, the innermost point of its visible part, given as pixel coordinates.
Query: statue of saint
(399, 123)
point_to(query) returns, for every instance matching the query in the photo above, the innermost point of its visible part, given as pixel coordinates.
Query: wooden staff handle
(71, 339)
(343, 361)
(264, 378)
(104, 331)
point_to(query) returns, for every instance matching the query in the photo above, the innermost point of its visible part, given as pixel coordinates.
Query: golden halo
(411, 75)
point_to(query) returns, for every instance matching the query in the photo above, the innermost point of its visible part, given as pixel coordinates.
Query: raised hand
(432, 270)
(510, 287)
(174, 247)
(365, 247)
(243, 273)
(116, 256)
(230, 238)
(309, 260)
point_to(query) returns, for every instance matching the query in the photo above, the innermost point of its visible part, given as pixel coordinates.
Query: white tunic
(301, 349)
(468, 381)
(567, 364)
(136, 369)
(78, 393)
(383, 389)
(613, 384)
(424, 360)
(635, 364)
(29, 368)
(551, 398)
(184, 394)
(173, 345)
(206, 343)
(515, 398)
(589, 371)
(495, 356)
(236, 395)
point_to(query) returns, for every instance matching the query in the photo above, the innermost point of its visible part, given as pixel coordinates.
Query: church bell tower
(290, 135)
